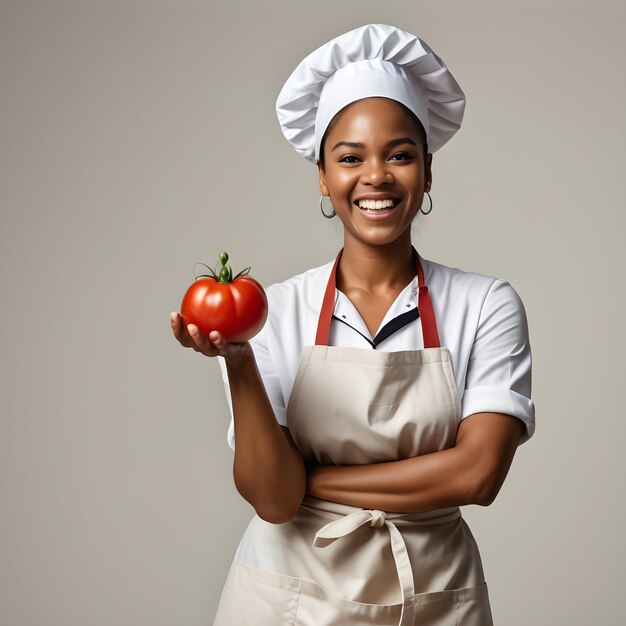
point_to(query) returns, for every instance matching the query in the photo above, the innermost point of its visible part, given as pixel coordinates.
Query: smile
(377, 210)
(377, 205)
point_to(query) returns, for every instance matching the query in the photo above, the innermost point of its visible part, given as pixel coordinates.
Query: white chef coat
(481, 320)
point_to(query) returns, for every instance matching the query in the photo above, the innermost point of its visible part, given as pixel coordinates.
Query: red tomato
(237, 307)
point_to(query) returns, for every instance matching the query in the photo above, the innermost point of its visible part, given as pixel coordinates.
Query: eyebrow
(359, 144)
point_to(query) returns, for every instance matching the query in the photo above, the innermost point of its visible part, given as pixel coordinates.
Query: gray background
(139, 138)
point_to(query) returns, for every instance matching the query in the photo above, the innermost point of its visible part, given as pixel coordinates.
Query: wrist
(241, 360)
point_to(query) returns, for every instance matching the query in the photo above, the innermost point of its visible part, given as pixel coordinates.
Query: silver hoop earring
(431, 205)
(322, 207)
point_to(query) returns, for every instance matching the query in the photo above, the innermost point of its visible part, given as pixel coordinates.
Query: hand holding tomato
(219, 313)
(189, 336)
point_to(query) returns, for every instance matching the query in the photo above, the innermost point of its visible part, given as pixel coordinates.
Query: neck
(377, 269)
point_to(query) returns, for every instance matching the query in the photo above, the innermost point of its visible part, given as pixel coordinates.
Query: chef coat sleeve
(498, 375)
(269, 375)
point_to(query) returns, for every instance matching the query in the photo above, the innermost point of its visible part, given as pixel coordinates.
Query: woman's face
(374, 151)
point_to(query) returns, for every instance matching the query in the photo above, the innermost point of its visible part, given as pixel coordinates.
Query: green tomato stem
(225, 274)
(226, 271)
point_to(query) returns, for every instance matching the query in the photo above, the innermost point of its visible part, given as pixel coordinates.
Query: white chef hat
(372, 60)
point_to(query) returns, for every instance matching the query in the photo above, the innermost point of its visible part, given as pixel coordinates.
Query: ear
(322, 179)
(428, 174)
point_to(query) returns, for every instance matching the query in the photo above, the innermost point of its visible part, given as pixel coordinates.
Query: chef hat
(372, 60)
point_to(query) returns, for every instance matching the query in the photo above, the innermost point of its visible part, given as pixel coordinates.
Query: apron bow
(376, 519)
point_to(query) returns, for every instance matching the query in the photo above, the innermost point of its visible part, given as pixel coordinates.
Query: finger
(223, 346)
(200, 341)
(218, 340)
(194, 335)
(180, 332)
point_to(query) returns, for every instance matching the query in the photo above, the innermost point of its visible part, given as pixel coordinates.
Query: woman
(385, 390)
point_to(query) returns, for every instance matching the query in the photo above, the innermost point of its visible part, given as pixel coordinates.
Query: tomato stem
(225, 273)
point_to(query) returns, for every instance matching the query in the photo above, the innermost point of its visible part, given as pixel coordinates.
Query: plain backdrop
(138, 138)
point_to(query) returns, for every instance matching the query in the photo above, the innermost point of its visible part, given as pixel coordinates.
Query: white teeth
(376, 204)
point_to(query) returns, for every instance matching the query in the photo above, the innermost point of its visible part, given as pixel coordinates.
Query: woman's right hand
(213, 344)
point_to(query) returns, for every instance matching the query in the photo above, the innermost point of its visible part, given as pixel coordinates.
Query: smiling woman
(377, 155)
(385, 390)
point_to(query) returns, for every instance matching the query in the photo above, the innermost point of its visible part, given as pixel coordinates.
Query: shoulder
(448, 281)
(444, 277)
(471, 297)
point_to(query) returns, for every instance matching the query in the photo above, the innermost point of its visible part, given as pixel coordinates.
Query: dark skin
(276, 492)
(375, 266)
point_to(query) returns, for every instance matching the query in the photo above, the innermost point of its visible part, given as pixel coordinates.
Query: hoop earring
(322, 207)
(431, 205)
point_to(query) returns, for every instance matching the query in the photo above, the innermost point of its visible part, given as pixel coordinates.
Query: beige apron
(334, 564)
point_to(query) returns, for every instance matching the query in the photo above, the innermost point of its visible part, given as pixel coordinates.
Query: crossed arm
(471, 472)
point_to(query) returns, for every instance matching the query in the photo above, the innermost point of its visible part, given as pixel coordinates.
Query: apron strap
(424, 306)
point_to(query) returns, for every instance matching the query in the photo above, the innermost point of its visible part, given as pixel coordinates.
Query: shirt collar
(346, 311)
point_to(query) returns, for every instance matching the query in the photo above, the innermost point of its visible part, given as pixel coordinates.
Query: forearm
(471, 472)
(268, 471)
(423, 483)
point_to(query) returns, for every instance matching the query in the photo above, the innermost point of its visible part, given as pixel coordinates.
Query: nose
(377, 172)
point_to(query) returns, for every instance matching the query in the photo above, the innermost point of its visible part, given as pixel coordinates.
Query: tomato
(236, 307)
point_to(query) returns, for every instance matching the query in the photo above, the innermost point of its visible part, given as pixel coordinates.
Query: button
(344, 317)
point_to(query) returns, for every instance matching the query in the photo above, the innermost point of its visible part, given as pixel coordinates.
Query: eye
(403, 156)
(344, 159)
